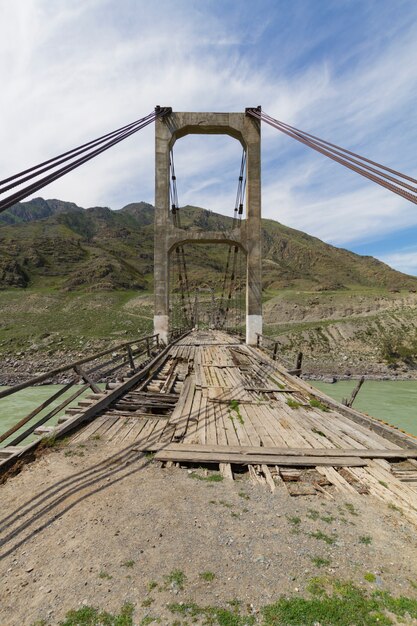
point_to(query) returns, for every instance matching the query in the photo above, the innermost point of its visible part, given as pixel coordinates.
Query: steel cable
(26, 191)
(346, 161)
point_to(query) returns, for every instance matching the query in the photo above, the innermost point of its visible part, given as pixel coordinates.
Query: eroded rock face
(12, 274)
(354, 334)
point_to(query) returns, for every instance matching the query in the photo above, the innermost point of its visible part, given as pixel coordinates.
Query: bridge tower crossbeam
(246, 130)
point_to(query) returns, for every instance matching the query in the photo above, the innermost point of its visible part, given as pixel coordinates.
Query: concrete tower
(247, 236)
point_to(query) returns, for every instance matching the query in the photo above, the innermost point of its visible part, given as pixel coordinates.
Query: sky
(345, 70)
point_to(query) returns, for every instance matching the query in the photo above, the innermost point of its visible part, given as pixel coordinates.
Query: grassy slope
(103, 249)
(89, 274)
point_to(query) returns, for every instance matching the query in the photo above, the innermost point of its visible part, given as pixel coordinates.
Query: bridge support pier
(246, 129)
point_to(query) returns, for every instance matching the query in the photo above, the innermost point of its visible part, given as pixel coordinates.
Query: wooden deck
(215, 401)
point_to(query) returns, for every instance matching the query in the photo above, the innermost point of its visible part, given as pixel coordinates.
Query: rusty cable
(342, 160)
(26, 191)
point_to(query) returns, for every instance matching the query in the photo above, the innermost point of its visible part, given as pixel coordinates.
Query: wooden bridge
(210, 400)
(206, 398)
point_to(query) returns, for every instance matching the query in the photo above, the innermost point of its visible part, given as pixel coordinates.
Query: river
(20, 404)
(392, 401)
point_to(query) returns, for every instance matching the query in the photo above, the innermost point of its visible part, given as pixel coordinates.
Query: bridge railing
(174, 333)
(84, 373)
(271, 346)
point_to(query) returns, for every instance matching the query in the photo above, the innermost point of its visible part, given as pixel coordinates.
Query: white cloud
(403, 261)
(73, 71)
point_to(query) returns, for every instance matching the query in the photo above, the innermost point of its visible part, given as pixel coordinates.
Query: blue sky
(345, 70)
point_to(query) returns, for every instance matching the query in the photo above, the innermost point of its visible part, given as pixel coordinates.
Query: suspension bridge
(204, 388)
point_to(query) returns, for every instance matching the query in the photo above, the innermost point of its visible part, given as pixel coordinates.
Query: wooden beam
(293, 452)
(265, 459)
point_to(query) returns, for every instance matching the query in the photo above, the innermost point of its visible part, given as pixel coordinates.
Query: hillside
(73, 280)
(62, 246)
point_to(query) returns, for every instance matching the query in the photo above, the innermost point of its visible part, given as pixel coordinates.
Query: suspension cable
(179, 251)
(108, 141)
(225, 301)
(345, 157)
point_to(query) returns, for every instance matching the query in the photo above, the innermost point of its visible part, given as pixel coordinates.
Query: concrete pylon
(245, 129)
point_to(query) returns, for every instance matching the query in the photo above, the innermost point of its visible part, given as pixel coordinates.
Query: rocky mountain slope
(50, 242)
(73, 279)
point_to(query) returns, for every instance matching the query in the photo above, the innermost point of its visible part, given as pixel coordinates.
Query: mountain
(36, 209)
(65, 247)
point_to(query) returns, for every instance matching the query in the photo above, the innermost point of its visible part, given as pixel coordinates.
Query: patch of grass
(104, 575)
(350, 508)
(327, 518)
(413, 583)
(394, 507)
(235, 604)
(147, 602)
(313, 514)
(53, 442)
(365, 539)
(319, 561)
(152, 584)
(228, 505)
(73, 453)
(212, 615)
(316, 404)
(234, 411)
(211, 478)
(207, 576)
(90, 616)
(128, 564)
(233, 514)
(383, 483)
(293, 404)
(176, 578)
(319, 535)
(145, 621)
(370, 577)
(150, 455)
(318, 432)
(294, 520)
(96, 437)
(317, 586)
(244, 495)
(345, 606)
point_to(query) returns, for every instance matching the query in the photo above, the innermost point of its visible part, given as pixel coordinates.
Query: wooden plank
(192, 435)
(87, 378)
(268, 478)
(181, 420)
(211, 432)
(270, 390)
(279, 451)
(245, 459)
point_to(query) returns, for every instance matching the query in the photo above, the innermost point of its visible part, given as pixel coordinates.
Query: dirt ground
(87, 525)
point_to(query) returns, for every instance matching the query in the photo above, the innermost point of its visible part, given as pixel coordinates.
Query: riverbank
(89, 527)
(22, 367)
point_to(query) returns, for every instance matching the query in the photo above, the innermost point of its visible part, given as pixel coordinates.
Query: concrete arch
(246, 130)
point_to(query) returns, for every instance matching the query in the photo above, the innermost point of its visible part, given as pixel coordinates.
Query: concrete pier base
(161, 327)
(253, 329)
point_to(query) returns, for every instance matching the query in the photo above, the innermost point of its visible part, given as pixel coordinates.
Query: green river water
(15, 407)
(392, 401)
